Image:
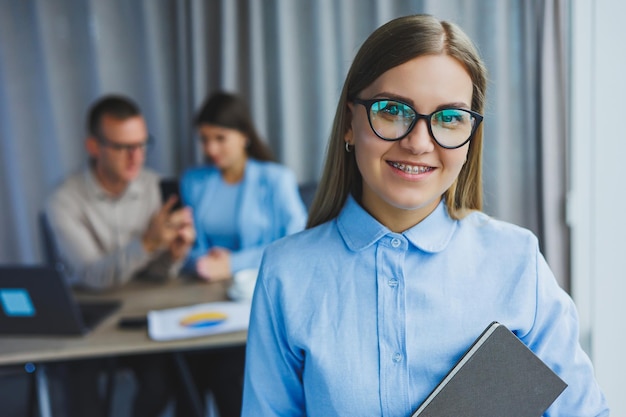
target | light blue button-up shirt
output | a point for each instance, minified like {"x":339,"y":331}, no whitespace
{"x":351,"y":319}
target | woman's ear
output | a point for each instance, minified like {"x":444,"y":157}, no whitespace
{"x":348,"y":137}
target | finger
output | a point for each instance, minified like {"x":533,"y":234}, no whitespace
{"x":169,"y":203}
{"x":181,"y":218}
{"x":184,"y":211}
{"x":160,"y":218}
{"x":186,"y":231}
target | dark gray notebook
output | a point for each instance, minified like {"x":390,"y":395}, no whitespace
{"x":498,"y":376}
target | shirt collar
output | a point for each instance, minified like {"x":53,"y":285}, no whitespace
{"x":360,"y":230}
{"x":95,"y":188}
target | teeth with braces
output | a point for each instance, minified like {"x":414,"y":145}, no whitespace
{"x":409,"y":169}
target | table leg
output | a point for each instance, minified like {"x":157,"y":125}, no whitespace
{"x":110,"y":386}
{"x":190,"y":387}
{"x":43,"y":392}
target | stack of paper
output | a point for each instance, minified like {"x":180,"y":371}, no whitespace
{"x":198,"y":320}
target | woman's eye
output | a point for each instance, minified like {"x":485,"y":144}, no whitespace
{"x":450,"y":117}
{"x":392,"y":109}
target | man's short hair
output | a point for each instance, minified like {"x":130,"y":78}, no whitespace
{"x":117,"y":106}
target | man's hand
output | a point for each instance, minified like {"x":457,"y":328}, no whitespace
{"x":167,"y":226}
{"x":186,"y":236}
{"x":215,"y":265}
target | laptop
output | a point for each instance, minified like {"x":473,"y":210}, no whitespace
{"x":36,"y":300}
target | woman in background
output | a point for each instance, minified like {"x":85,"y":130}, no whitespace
{"x":241,"y":200}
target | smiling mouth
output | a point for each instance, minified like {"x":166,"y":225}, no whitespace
{"x":411,"y":169}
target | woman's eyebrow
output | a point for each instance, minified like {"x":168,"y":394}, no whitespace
{"x":455,"y":105}
{"x":392,"y":96}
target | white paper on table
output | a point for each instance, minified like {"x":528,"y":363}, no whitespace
{"x":166,"y":324}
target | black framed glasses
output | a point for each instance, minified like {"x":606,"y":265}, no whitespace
{"x":393,"y":120}
{"x":128,"y":148}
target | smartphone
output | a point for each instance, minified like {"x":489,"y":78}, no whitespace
{"x":169,"y":187}
{"x":137,"y":322}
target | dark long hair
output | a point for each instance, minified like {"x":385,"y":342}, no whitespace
{"x":231,"y":111}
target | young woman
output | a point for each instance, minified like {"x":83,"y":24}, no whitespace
{"x":241,"y":200}
{"x":399,"y":270}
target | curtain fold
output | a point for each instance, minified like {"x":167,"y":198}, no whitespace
{"x":289,"y":59}
{"x":554,"y":152}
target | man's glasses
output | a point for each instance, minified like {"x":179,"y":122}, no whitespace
{"x":393,"y":120}
{"x":128,"y":148}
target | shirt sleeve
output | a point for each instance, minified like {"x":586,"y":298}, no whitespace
{"x":554,"y":337}
{"x":86,"y":263}
{"x":81,"y":256}
{"x":200,"y":248}
{"x":273,"y":375}
{"x":249,"y":258}
{"x":288,"y":217}
{"x":201,"y":244}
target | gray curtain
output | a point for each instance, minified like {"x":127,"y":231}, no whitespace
{"x":289,"y":59}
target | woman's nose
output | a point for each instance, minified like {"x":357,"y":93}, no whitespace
{"x":418,"y":140}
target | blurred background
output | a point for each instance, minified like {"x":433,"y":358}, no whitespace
{"x":554,"y":71}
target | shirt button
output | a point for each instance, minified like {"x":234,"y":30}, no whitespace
{"x":395,"y":242}
{"x":397,"y":357}
{"x":393,"y":282}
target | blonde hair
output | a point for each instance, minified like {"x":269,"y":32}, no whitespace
{"x":393,"y":44}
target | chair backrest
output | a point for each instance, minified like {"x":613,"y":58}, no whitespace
{"x":50,"y":251}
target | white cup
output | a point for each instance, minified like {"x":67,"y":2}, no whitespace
{"x":243,"y":284}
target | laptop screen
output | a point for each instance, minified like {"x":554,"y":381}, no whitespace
{"x":37,"y":300}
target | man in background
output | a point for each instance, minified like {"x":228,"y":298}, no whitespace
{"x":107,"y":219}
{"x":110,"y":227}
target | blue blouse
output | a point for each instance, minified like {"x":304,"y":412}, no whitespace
{"x":351,"y":319}
{"x":270,"y":208}
{"x":218,"y":219}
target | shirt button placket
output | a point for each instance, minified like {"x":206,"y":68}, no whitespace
{"x":393,"y":369}
{"x":393,"y":283}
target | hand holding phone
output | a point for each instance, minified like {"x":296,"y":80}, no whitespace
{"x":169,"y":187}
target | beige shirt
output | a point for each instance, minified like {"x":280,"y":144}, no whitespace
{"x":98,"y":237}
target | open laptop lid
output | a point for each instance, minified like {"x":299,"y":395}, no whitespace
{"x":37,"y":300}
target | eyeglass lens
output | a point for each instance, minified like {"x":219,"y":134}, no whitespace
{"x":131,"y":148}
{"x":142,"y":146}
{"x":393,"y":120}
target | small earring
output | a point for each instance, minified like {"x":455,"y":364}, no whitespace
{"x":348,"y":149}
